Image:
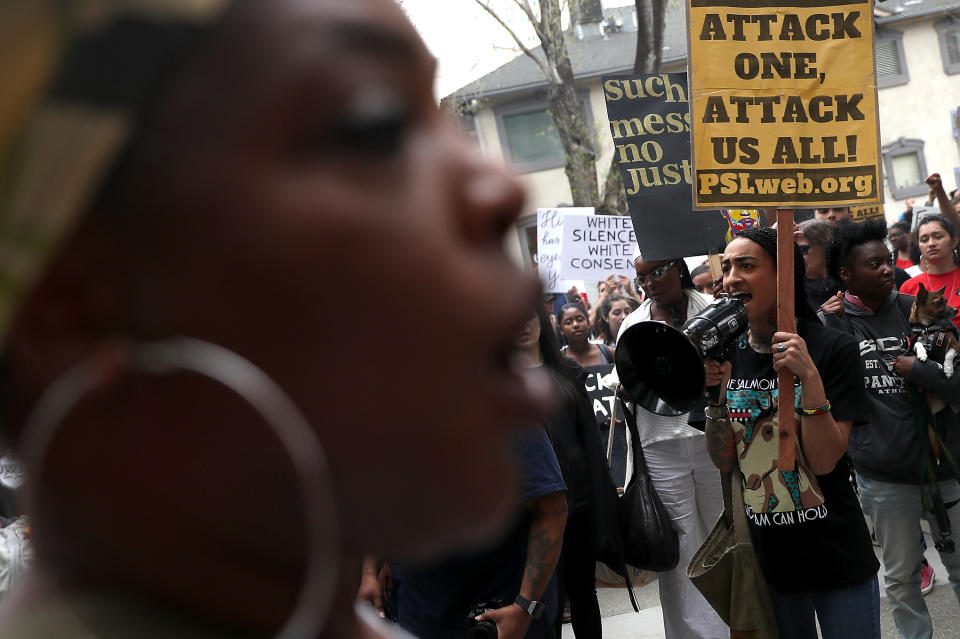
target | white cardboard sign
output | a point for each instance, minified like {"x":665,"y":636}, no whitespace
{"x":595,"y":246}
{"x":550,"y":246}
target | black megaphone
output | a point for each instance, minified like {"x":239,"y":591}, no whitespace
{"x":661,"y":368}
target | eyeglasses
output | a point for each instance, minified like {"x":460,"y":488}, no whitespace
{"x":655,"y":274}
{"x":804,"y":248}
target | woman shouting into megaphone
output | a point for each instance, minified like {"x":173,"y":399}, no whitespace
{"x":805,"y":522}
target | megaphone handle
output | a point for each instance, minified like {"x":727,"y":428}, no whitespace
{"x":713,"y":394}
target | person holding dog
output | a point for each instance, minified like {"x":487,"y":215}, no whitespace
{"x":889,"y":456}
{"x":937,"y":239}
{"x":806,"y":523}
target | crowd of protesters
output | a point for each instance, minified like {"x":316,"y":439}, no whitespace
{"x":859,"y":449}
{"x":219,"y":466}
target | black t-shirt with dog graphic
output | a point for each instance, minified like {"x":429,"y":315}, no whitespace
{"x":808,"y":529}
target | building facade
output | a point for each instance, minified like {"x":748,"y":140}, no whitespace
{"x":918,"y":71}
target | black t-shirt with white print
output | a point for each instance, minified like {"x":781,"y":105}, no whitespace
{"x":808,"y":529}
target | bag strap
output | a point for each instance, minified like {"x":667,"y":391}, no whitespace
{"x":734,"y":512}
{"x":639,"y":460}
{"x":613,"y":421}
{"x":607,"y":353}
{"x":741,"y":527}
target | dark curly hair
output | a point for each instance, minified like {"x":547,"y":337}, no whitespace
{"x":847,"y":239}
{"x":767,"y":239}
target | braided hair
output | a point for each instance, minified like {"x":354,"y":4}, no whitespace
{"x":767,"y":239}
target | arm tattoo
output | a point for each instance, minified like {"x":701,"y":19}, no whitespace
{"x":544,"y":542}
{"x":721,"y":444}
{"x":541,"y":558}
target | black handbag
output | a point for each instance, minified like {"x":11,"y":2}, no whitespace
{"x":649,"y":540}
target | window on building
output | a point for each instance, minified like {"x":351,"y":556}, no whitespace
{"x":906,"y":168}
{"x":529,"y":137}
{"x":527,"y":234}
{"x":948,"y":33}
{"x":532,"y":137}
{"x":891,"y":63}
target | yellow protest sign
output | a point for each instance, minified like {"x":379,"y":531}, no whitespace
{"x":864,"y":213}
{"x":783,"y":103}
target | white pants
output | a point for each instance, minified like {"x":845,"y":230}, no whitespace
{"x":689,"y":486}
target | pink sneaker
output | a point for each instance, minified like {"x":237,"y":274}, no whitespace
{"x":926,"y":578}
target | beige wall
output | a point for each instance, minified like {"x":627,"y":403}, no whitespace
{"x":921,"y":108}
{"x":550,"y":188}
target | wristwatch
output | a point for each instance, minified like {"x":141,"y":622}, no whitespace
{"x":534,"y":608}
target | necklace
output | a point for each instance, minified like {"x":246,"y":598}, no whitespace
{"x":953,"y":286}
{"x":676,"y":313}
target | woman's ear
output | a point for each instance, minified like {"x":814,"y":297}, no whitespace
{"x":844,"y":273}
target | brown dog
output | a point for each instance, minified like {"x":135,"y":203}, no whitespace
{"x":929,"y":339}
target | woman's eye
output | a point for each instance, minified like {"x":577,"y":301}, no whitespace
{"x":374,"y":132}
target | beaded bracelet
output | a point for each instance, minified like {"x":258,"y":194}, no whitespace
{"x":813,"y":412}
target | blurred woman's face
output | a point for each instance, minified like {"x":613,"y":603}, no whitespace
{"x":574,"y":325}
{"x":898,"y":239}
{"x":322,"y":151}
{"x":618,"y":312}
{"x":530,"y":333}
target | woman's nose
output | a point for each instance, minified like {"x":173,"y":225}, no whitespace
{"x":490,"y":199}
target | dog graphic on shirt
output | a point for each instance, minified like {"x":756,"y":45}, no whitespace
{"x":766,"y":489}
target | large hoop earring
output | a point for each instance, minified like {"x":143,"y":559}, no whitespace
{"x":254,"y":386}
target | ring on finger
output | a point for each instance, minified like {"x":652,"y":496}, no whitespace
{"x":781,"y":348}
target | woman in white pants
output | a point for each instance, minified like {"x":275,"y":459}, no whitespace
{"x":680,"y":468}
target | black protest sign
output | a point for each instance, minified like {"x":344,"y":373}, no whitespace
{"x":600,"y":400}
{"x":600,"y":397}
{"x":650,"y":123}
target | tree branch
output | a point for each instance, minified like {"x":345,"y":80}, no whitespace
{"x":650,"y":22}
{"x":531,"y":16}
{"x":526,"y":50}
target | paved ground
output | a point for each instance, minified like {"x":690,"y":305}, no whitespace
{"x":621,"y":622}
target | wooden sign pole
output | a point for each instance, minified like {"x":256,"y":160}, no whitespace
{"x":786,"y":322}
